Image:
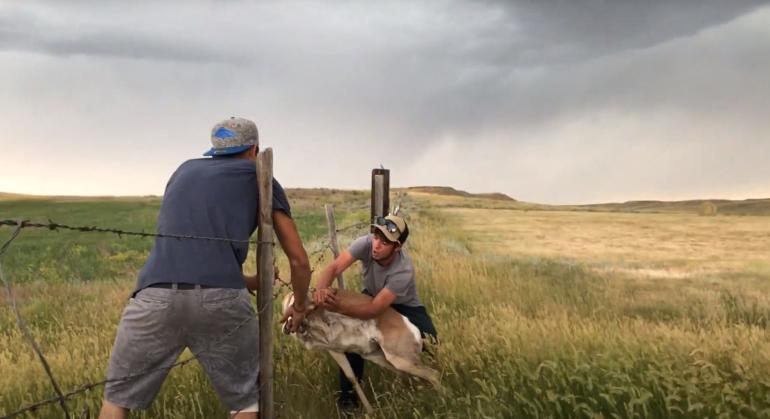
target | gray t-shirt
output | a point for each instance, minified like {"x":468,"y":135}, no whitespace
{"x":210,"y":197}
{"x":398,"y":277}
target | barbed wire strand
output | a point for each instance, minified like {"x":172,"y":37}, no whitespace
{"x":23,"y":325}
{"x":8,"y":242}
{"x":321,"y":253}
{"x":62,"y":397}
{"x":356,"y":225}
{"x":86,"y":387}
{"x":53,"y":226}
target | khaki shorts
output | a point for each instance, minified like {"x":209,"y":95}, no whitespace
{"x":159,"y":323}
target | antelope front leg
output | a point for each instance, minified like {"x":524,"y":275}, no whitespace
{"x":342,"y":361}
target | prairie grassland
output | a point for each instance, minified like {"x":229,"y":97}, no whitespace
{"x":661,"y":263}
{"x":540,"y":314}
{"x":676,"y":245}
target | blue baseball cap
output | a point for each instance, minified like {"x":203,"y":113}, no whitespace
{"x":233,"y":136}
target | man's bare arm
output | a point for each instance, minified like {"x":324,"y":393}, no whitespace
{"x":288,"y":236}
{"x":325,"y":279}
{"x":252,"y":282}
{"x":338,"y":266}
{"x":370,"y":310}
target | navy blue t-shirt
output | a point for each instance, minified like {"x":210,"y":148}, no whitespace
{"x":209,"y":197}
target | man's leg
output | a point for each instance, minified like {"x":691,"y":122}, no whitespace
{"x":344,"y":364}
{"x":419,"y":317}
{"x":251,"y":412}
{"x":245,"y":415}
{"x":112,"y":411}
{"x":346,"y":387}
{"x":224,"y":336}
{"x":147,"y":344}
{"x":347,"y":396}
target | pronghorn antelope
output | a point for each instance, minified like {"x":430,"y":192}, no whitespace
{"x":389,"y":339}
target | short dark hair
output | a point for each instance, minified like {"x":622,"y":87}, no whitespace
{"x":404,"y":235}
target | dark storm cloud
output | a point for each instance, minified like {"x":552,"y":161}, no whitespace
{"x":567,"y":30}
{"x":538,"y":94}
{"x":534,"y":61}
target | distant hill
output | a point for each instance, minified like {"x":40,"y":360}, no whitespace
{"x":495,"y":195}
{"x":696,"y":206}
{"x":455,"y":198}
{"x":5,"y":196}
{"x":445,"y":196}
{"x":446,"y":190}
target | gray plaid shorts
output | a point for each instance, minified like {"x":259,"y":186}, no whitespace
{"x":159,"y":323}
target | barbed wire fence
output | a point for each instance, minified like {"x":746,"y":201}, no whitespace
{"x":62,"y":397}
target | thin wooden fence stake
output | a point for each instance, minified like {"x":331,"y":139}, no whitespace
{"x":333,"y":240}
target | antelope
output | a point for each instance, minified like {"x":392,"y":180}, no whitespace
{"x":389,"y":340}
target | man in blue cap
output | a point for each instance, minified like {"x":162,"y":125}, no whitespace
{"x":193,"y":293}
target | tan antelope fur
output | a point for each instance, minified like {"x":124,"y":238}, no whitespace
{"x":389,"y":340}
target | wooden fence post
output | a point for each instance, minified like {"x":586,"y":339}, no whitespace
{"x":265,"y":273}
{"x":333,"y":240}
{"x":380,"y":194}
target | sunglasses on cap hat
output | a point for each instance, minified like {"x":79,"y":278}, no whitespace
{"x":389,"y":225}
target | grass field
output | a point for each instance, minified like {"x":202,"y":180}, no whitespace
{"x":540,"y":313}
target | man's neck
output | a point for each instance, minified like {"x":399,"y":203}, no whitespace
{"x":385,"y":263}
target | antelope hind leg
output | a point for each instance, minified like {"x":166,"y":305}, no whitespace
{"x":342,"y":361}
{"x":428,"y":374}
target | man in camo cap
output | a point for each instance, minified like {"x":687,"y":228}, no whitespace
{"x":193,"y":293}
{"x":388,"y":277}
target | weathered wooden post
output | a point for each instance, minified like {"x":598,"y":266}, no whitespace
{"x":265,"y":273}
{"x":333,"y":240}
{"x":380,"y":193}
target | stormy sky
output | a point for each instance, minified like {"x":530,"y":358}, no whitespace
{"x":578,"y":101}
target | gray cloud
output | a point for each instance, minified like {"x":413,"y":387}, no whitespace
{"x":492,"y":80}
{"x":539,"y":59}
{"x":25,"y":31}
{"x":567,"y":30}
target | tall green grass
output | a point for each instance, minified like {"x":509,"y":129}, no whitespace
{"x":520,"y":337}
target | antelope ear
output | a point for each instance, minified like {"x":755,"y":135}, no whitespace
{"x":288,"y":299}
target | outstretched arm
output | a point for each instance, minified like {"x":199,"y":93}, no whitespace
{"x":338,"y":266}
{"x":291,"y":243}
{"x":370,"y":310}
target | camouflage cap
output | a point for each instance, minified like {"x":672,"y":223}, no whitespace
{"x":232,"y":136}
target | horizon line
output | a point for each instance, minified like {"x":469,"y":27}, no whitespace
{"x":22,"y":195}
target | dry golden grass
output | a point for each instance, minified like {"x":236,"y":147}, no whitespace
{"x":645,"y":245}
